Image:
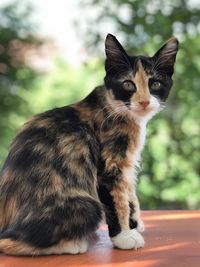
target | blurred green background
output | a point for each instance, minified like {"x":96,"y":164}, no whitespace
{"x":170,"y":173}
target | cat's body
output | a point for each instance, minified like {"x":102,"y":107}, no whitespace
{"x":69,"y":164}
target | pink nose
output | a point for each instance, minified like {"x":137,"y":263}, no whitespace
{"x":144,"y":104}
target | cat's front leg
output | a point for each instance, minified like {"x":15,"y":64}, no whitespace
{"x":116,"y":202}
{"x":135,"y":214}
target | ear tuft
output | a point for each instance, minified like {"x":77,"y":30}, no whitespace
{"x":113,"y":48}
{"x":170,"y":47}
{"x":116,"y":56}
{"x":166,"y":55}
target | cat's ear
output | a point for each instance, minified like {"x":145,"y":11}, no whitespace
{"x":115,"y":53}
{"x":165,"y":57}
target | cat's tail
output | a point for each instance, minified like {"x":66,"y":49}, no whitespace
{"x":76,"y":221}
{"x":13,"y":247}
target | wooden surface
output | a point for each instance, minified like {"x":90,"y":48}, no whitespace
{"x":172,"y":239}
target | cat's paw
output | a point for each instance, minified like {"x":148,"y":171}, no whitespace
{"x":129,"y":239}
{"x":76,"y":247}
{"x":140,"y":226}
{"x":83,"y":246}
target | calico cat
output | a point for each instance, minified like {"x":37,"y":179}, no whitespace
{"x":69,"y":166}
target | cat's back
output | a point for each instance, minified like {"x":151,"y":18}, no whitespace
{"x":53,"y":158}
{"x":53,"y":143}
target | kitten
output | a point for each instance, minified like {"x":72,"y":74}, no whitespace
{"x":68,"y":165}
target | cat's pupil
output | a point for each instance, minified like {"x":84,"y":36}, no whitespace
{"x":129,"y":85}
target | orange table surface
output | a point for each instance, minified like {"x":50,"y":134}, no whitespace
{"x":172,"y":239}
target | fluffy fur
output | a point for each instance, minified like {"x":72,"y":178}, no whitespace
{"x":69,"y":165}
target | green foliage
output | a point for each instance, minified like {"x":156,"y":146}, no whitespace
{"x":171,"y":159}
{"x":63,"y":86}
{"x":15,"y":34}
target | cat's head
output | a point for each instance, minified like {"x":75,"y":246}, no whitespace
{"x":139,"y":85}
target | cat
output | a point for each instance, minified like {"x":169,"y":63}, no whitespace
{"x":69,"y":167}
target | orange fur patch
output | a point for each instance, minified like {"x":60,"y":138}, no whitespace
{"x":13,"y":247}
{"x":120,"y":197}
{"x":8,"y":207}
{"x":141,"y":80}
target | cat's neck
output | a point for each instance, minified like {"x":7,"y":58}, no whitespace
{"x":99,"y":108}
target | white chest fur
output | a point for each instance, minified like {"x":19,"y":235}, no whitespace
{"x":134,"y":155}
{"x":140,"y":143}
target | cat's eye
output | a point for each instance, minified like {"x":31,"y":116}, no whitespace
{"x":129,"y":86}
{"x":155,"y":85}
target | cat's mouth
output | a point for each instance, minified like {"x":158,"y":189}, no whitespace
{"x":145,"y":111}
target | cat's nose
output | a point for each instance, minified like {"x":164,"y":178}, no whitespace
{"x":144,"y":104}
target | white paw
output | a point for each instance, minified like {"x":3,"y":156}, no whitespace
{"x":140,"y":226}
{"x":76,"y":247}
{"x":83,"y":246}
{"x":129,"y":239}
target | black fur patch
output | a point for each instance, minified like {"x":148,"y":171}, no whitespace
{"x":93,"y":99}
{"x":117,"y":89}
{"x":110,"y":211}
{"x":132,"y":223}
{"x":166,"y":83}
{"x":117,"y":145}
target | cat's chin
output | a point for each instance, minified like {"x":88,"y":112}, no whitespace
{"x":146,"y":114}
